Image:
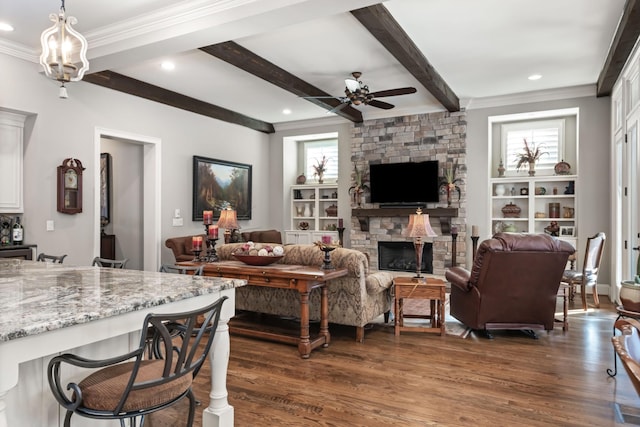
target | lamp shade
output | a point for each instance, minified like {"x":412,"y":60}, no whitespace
{"x":228,"y":219}
{"x":64,"y":50}
{"x":419,"y":225}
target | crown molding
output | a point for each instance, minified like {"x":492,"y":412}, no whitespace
{"x":19,"y":51}
{"x":529,"y":97}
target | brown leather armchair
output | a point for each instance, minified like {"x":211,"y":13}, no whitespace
{"x":182,"y":247}
{"x":513,"y":283}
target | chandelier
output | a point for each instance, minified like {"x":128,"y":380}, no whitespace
{"x":356,"y":91}
{"x":64,"y":50}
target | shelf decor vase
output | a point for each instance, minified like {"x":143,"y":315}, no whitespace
{"x":307,"y":210}
{"x":500,"y":190}
{"x":511,"y":210}
{"x":532,"y":168}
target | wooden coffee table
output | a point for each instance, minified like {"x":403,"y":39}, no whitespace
{"x":429,"y":288}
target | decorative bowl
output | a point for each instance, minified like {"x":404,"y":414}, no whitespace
{"x":257,"y":259}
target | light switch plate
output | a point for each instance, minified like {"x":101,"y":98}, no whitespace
{"x":50,"y":225}
{"x":177,"y":222}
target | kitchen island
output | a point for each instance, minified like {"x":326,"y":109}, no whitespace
{"x":48,"y":309}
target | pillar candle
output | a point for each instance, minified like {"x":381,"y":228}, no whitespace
{"x":207,"y":217}
{"x":196,"y":243}
{"x":474,"y":230}
{"x":326,"y":240}
{"x":213,"y":231}
{"x":340,"y":223}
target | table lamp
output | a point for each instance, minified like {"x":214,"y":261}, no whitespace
{"x":229,"y":221}
{"x":418,"y":228}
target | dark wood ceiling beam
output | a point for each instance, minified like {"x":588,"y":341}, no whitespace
{"x":623,"y":41}
{"x":121,"y":83}
{"x":388,"y":32}
{"x":248,"y":61}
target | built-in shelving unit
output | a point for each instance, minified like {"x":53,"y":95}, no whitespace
{"x":542,"y":200}
{"x":317,"y":206}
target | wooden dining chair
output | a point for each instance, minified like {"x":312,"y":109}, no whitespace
{"x":130,"y":386}
{"x":56,"y":259}
{"x":111,"y":263}
{"x":588,"y":275}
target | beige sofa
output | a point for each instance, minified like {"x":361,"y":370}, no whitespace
{"x":355,"y":299}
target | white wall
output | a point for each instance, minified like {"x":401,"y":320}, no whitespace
{"x":126,"y":200}
{"x":594,"y":184}
{"x":59,"y":128}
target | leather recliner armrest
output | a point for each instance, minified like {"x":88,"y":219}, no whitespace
{"x":459,"y":277}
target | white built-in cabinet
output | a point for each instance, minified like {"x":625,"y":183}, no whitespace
{"x":11,"y":162}
{"x":317,"y":207}
{"x":541,"y":200}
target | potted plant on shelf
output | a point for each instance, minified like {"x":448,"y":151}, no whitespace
{"x":320,"y":168}
{"x":448,"y":182}
{"x":359,"y":187}
{"x":530,"y":156}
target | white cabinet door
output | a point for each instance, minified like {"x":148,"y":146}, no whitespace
{"x":297,"y":237}
{"x":11,"y":132}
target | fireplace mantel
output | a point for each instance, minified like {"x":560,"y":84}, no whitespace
{"x":444,"y":214}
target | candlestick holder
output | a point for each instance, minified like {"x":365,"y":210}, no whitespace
{"x":454,"y":248}
{"x":340,"y":236}
{"x":474,"y":239}
{"x":196,"y":252}
{"x":212,"y":256}
{"x":326,"y":262}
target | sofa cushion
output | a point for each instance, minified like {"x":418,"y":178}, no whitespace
{"x":262,"y":236}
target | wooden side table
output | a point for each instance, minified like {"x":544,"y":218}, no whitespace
{"x":423,"y":288}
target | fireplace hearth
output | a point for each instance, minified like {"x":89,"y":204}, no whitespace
{"x":401,"y":256}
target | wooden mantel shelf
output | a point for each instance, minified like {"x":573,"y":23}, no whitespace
{"x":444,"y":214}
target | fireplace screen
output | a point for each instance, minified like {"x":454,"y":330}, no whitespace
{"x":401,"y":256}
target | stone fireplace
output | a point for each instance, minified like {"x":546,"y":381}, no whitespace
{"x":436,"y":136}
{"x":401,"y":256}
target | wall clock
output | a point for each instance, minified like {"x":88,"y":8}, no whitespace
{"x":70,"y":186}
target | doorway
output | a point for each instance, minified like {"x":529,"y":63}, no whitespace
{"x":150,"y":175}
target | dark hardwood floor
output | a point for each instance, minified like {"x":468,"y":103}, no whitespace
{"x":419,"y":379}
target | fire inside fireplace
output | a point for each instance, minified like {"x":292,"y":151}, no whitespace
{"x":401,"y":256}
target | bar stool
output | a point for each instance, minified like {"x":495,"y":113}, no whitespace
{"x":111,"y":263}
{"x":55,"y":259}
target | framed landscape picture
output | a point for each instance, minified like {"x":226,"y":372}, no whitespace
{"x":217,"y":183}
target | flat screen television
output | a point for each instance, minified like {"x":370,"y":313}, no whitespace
{"x":404,"y":183}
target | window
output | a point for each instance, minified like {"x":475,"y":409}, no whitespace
{"x":548,"y":135}
{"x":313,"y":153}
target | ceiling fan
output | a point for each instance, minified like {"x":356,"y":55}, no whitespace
{"x":357,"y":93}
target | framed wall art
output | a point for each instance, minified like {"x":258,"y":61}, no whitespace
{"x":567,"y":231}
{"x":105,"y":188}
{"x":217,"y":183}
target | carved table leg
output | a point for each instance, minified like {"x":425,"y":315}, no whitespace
{"x":324,"y":315}
{"x":219,"y":413}
{"x":304,"y":346}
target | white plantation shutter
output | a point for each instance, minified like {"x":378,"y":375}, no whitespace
{"x":546,"y":134}
{"x":313,"y":152}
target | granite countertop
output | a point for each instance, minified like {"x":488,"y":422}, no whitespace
{"x":36,"y":297}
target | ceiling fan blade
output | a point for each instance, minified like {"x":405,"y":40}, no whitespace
{"x":394,"y":92}
{"x":380,"y":104}
{"x":339,"y":107}
{"x":321,"y":97}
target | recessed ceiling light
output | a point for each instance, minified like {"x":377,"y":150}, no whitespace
{"x":5,"y":27}
{"x":535,"y":77}
{"x":286,"y":111}
{"x":168,"y":65}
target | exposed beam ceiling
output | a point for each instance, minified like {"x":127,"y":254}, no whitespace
{"x":248,"y":61}
{"x":148,"y":91}
{"x":388,"y":32}
{"x":623,"y":42}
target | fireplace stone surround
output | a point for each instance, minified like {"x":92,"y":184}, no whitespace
{"x":435,"y":136}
